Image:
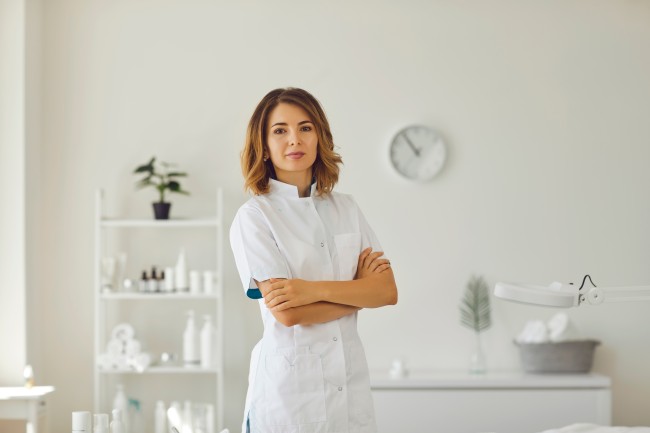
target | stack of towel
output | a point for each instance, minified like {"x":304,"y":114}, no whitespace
{"x":558,"y":328}
{"x":123,"y":351}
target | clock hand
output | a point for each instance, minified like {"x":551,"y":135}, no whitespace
{"x":410,"y":143}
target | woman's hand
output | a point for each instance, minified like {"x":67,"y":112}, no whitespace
{"x":283,"y":294}
{"x":370,"y":263}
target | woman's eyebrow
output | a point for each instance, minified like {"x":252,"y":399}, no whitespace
{"x":286,"y":124}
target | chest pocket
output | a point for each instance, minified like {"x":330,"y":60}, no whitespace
{"x":348,"y":247}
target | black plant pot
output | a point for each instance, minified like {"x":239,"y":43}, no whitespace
{"x":161,"y":210}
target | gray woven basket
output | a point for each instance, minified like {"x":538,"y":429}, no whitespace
{"x":563,"y":357}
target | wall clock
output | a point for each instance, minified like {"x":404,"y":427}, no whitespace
{"x":418,"y":152}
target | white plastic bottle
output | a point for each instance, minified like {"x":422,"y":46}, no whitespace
{"x":188,"y":421}
{"x":160,"y":421}
{"x":209,"y":418}
{"x":134,"y":416}
{"x":117,"y":426}
{"x":180,"y":273}
{"x":190,"y":342}
{"x":81,"y":422}
{"x":101,"y":423}
{"x":207,"y":339}
{"x":175,"y":417}
{"x":121,"y":403}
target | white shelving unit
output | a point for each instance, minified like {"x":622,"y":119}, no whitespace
{"x":174,"y":382}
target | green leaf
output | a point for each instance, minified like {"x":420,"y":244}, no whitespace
{"x":146,"y":168}
{"x":174,"y":186}
{"x":176,"y":174}
{"x":142,"y":183}
{"x":475,"y":305}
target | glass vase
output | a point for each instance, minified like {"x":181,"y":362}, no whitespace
{"x":477,"y":363}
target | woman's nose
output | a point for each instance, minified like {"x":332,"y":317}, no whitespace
{"x":294,"y":138}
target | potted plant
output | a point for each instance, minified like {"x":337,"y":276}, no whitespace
{"x":163,"y":177}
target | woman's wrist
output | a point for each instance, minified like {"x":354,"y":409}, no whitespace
{"x":321,"y":289}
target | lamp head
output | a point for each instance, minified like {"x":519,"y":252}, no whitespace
{"x":556,"y":295}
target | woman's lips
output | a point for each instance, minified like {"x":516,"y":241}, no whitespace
{"x":295,"y":155}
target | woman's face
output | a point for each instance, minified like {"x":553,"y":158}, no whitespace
{"x":292,"y":143}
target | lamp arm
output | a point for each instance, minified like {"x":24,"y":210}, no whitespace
{"x":598,"y":295}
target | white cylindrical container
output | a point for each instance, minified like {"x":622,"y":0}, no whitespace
{"x":170,"y":282}
{"x":207,"y":339}
{"x":180,"y":273}
{"x":101,"y":423}
{"x":208,"y":282}
{"x":81,"y":422}
{"x":195,"y":282}
{"x":191,"y":357}
{"x":117,"y":425}
{"x":160,"y":421}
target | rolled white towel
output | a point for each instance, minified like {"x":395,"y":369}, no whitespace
{"x":560,"y":328}
{"x":122,"y":362}
{"x":115,"y":347}
{"x":141,"y":361}
{"x":132,"y":347}
{"x":534,"y":332}
{"x":123,"y":331}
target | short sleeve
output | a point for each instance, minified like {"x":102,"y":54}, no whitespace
{"x":368,"y":237}
{"x":257,"y":255}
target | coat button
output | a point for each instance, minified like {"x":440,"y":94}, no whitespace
{"x":334,"y":338}
{"x":340,"y":388}
{"x":322,"y":244}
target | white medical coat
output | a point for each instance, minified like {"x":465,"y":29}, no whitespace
{"x":304,"y":379}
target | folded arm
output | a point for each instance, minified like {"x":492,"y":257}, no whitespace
{"x":309,"y":314}
{"x":309,"y":304}
{"x":374,"y":286}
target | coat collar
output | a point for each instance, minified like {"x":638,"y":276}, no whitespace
{"x":281,"y":189}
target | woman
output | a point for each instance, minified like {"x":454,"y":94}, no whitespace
{"x":309,"y":256}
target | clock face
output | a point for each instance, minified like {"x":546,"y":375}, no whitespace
{"x":418,"y":152}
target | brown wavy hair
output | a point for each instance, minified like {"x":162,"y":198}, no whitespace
{"x":257,"y":172}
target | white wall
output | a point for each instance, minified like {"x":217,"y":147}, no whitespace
{"x":12,"y":192}
{"x":544,"y":106}
{"x":20,"y":123}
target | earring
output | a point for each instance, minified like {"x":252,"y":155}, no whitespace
{"x":265,"y":158}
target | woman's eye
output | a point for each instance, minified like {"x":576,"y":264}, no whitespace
{"x":278,"y":131}
{"x":306,"y":128}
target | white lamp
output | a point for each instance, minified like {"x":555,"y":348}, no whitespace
{"x":567,"y":295}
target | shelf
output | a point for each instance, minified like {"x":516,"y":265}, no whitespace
{"x":171,"y":223}
{"x":204,"y":231}
{"x":155,"y":296}
{"x":164,"y":370}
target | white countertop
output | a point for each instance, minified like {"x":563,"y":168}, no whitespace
{"x":22,"y":393}
{"x":495,"y":380}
